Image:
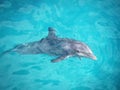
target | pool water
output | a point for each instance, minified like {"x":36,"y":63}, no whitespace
{"x":94,"y":22}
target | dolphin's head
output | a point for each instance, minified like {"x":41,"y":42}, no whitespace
{"x":82,"y":50}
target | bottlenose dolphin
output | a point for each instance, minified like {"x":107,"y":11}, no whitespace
{"x":52,"y":45}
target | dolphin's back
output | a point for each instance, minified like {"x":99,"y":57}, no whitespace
{"x":57,"y":46}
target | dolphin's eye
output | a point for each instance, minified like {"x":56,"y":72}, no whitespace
{"x":77,"y":51}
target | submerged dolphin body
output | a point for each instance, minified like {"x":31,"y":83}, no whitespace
{"x":52,"y":45}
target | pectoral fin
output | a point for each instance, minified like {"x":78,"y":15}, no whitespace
{"x":79,"y":57}
{"x":59,"y":59}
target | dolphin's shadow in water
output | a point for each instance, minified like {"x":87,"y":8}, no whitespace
{"x":53,"y":45}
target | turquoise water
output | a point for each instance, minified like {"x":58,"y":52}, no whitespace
{"x":94,"y":22}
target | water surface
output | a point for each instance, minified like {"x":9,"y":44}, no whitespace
{"x":94,"y":22}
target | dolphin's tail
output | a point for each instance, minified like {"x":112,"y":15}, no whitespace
{"x":6,"y":52}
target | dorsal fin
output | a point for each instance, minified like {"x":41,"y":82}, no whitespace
{"x":51,"y":33}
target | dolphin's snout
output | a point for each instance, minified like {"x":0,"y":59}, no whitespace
{"x":92,"y":56}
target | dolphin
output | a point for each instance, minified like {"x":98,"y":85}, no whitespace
{"x":53,"y":45}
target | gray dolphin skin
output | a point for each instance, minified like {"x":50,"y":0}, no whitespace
{"x":52,"y":45}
